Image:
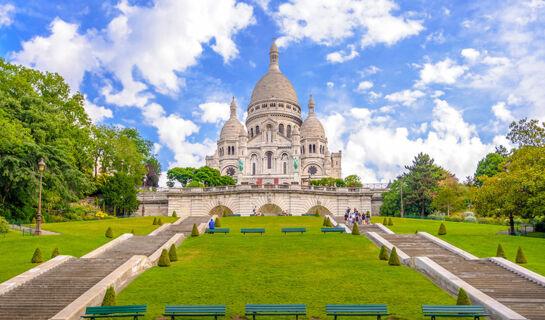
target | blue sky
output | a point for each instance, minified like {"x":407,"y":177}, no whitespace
{"x":390,"y":78}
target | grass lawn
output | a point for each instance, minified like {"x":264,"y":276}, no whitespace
{"x":314,"y":269}
{"x":76,"y":239}
{"x":478,"y":239}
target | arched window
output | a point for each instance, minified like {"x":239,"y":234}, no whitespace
{"x":285,"y":168}
{"x":233,"y":150}
{"x":253,"y":169}
{"x":231,"y":171}
{"x":256,"y":130}
{"x":281,"y":128}
{"x":314,"y":148}
{"x":303,"y":150}
{"x":309,"y":148}
{"x":288,"y":131}
{"x":269,"y":160}
{"x":252,"y":132}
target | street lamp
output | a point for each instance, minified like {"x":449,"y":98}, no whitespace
{"x":41,"y":168}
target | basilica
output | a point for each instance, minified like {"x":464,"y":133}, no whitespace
{"x":276,"y":146}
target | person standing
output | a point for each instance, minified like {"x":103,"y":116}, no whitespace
{"x":346,"y":214}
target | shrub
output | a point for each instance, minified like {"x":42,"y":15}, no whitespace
{"x":174,"y":214}
{"x":390,"y":222}
{"x":394,"y":259}
{"x":329,"y":224}
{"x":521,"y":258}
{"x":470,"y":219}
{"x":33,"y":221}
{"x":317,"y":214}
{"x":37,"y":257}
{"x":469,"y":214}
{"x":172,"y":254}
{"x":385,"y":222}
{"x":355,"y":230}
{"x":442,"y":230}
{"x":109,"y":298}
{"x":154,"y":221}
{"x":225,"y":213}
{"x":4,"y":225}
{"x":463,"y":299}
{"x":132,"y":231}
{"x":500,"y":253}
{"x":218,"y":223}
{"x":195,"y":231}
{"x":160,"y":221}
{"x":109,"y":233}
{"x":325,"y":222}
{"x":164,"y":261}
{"x":383,"y":255}
{"x":55,"y":253}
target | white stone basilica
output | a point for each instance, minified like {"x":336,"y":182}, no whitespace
{"x":277,"y":146}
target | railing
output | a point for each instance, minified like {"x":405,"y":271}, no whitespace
{"x":365,"y":189}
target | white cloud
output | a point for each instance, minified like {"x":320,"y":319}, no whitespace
{"x":470,"y":54}
{"x":502,"y":113}
{"x":96,"y":113}
{"x":364,"y":86}
{"x":329,"y":22}
{"x":445,"y":72}
{"x":374,"y":95}
{"x":405,"y":97}
{"x":156,"y":148}
{"x":342,"y":56}
{"x":214,"y":112}
{"x":6,"y":14}
{"x":330,"y":84}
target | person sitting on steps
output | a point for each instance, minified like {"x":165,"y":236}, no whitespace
{"x":211,"y":224}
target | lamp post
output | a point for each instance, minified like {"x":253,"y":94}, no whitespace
{"x":41,"y":168}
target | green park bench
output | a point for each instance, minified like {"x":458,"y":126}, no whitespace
{"x":276,"y":310}
{"x":233,"y":215}
{"x":286,"y":230}
{"x":252,"y":230}
{"x":115,"y":312}
{"x":217,"y":230}
{"x":363,"y":310}
{"x":475,"y":312}
{"x":309,"y":214}
{"x":341,"y":230}
{"x":194,"y":311}
{"x":280,"y":215}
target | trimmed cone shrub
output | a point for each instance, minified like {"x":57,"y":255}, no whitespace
{"x":33,"y":221}
{"x":172,"y":254}
{"x":109,"y":233}
{"x":109,"y":298}
{"x":394,"y":259}
{"x":329,"y":224}
{"x":37,"y":257}
{"x":442,"y":230}
{"x":132,"y":231}
{"x":218,"y":223}
{"x":164,"y":261}
{"x":463,"y":299}
{"x":390,"y":223}
{"x":174,"y":214}
{"x":383,"y":255}
{"x":225,"y":213}
{"x":325,"y":222}
{"x":500,"y":253}
{"x":195,"y":231}
{"x":55,"y":253}
{"x":154,"y":221}
{"x":385,"y":222}
{"x":160,"y":221}
{"x":317,"y":213}
{"x":355,"y":230}
{"x":521,"y":258}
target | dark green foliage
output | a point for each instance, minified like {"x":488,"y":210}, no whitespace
{"x":211,"y":177}
{"x":218,"y":223}
{"x":383,"y":255}
{"x":154,"y":221}
{"x":390,"y":222}
{"x":160,"y":221}
{"x":109,"y":298}
{"x":355,"y":230}
{"x":463,"y":299}
{"x":394,"y":259}
{"x":37,"y":256}
{"x":55,"y":253}
{"x":109,"y":233}
{"x":521,"y":258}
{"x":119,"y":191}
{"x":4,"y":225}
{"x":172,"y":254}
{"x":164,"y":260}
{"x":491,"y":165}
{"x":174,"y":214}
{"x":353,"y":180}
{"x":500,"y":253}
{"x":328,"y":182}
{"x":329,"y":224}
{"x":33,"y":221}
{"x":442,"y":230}
{"x":195,"y":231}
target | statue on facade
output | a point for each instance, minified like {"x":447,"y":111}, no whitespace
{"x":240,"y":165}
{"x":295,"y":163}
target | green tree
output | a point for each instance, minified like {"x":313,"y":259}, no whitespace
{"x":527,"y":133}
{"x":120,"y":191}
{"x":450,"y":196}
{"x":422,"y":181}
{"x":489,"y":166}
{"x":353,"y":180}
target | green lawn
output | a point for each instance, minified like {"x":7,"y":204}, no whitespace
{"x":76,"y":239}
{"x":313,"y":269}
{"x":478,"y":239}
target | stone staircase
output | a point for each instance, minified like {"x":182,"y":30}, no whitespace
{"x":44,"y":296}
{"x":514,"y":291}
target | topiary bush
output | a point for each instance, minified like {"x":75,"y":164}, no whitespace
{"x":325,"y":222}
{"x":172,"y":254}
{"x":4,"y":225}
{"x":329,"y":224}
{"x":394,"y":259}
{"x":160,"y":221}
{"x":109,"y":233}
{"x":218,"y":223}
{"x":109,"y":298}
{"x":442,"y":230}
{"x":317,"y":214}
{"x":154,"y":221}
{"x":174,"y":214}
{"x":390,"y":222}
{"x":463,"y":299}
{"x":500,"y":253}
{"x":385,"y":222}
{"x":37,"y":257}
{"x":355,"y":230}
{"x":383,"y":255}
{"x":132,"y":231}
{"x":164,"y":261}
{"x":225,"y":213}
{"x":55,"y":253}
{"x":521,"y":258}
{"x":195,"y":231}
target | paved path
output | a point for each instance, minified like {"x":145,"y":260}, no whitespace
{"x":47,"y":294}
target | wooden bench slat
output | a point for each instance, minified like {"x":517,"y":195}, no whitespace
{"x":453,"y":311}
{"x":116,"y":309}
{"x":217,"y":230}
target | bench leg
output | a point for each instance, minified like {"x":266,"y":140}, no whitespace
{"x":378,"y":317}
{"x":296,"y":317}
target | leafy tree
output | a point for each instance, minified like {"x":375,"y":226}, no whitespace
{"x":4,"y":225}
{"x":120,"y":191}
{"x":353,"y":180}
{"x":182,"y":175}
{"x":422,"y":181}
{"x":527,"y":133}
{"x":450,"y":196}
{"x":502,"y":151}
{"x":153,"y":167}
{"x":489,"y":166}
{"x":204,"y":176}
{"x":328,"y":182}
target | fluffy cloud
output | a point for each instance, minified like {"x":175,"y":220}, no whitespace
{"x":470,"y":54}
{"x":96,"y":113}
{"x":6,"y":14}
{"x":445,"y":72}
{"x":364,"y":86}
{"x":502,"y":113}
{"x":328,"y":22}
{"x":405,"y":97}
{"x":214,"y":112}
{"x":342,"y":56}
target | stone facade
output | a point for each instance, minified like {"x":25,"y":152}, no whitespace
{"x":276,"y":146}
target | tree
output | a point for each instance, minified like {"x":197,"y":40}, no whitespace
{"x":527,"y":133}
{"x":489,"y":166}
{"x":422,"y":181}
{"x":204,"y":176}
{"x":120,"y":191}
{"x":153,"y":167}
{"x":450,"y":196}
{"x":353,"y":180}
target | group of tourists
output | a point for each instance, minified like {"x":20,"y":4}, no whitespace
{"x":356,"y":217}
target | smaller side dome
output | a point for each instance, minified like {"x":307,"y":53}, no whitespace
{"x":312,"y":127}
{"x":232,"y":129}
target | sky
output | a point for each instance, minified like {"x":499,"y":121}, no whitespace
{"x":390,"y":78}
